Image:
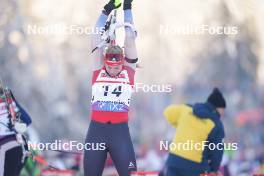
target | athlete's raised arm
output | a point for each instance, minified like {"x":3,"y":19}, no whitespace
{"x":97,"y":55}
{"x":131,"y":56}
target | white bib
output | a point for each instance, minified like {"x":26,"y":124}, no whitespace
{"x":112,"y":94}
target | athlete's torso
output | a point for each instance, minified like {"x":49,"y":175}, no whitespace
{"x":111,"y":95}
{"x":4,"y":120}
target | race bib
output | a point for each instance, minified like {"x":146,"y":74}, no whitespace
{"x":111,"y":94}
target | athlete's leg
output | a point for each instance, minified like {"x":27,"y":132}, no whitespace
{"x":94,"y":160}
{"x":10,"y":156}
{"x":13,"y":164}
{"x":121,"y":149}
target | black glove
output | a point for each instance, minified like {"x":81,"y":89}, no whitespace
{"x":111,"y":5}
{"x":127,"y":4}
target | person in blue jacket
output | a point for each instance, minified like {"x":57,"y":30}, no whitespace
{"x":198,"y":127}
{"x":13,"y":123}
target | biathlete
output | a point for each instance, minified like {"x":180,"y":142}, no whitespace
{"x":13,"y":123}
{"x":112,"y":87}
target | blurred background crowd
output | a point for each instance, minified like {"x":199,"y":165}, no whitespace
{"x":50,"y":72}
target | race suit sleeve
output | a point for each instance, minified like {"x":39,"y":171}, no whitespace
{"x":130,"y":43}
{"x":97,"y":55}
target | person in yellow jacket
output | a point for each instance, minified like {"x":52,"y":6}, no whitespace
{"x":197,"y":146}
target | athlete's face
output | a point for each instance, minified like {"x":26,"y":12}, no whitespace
{"x":113,"y":70}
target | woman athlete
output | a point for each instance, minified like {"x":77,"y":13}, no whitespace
{"x":13,"y":123}
{"x":112,"y":86}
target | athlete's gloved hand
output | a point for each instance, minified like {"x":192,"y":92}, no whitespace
{"x":127,"y":4}
{"x":111,"y":5}
{"x":20,"y":127}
